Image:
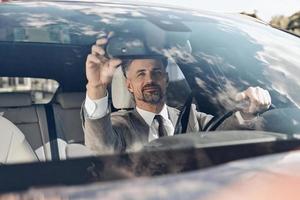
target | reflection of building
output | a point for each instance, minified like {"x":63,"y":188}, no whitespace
{"x":11,"y":84}
{"x":27,"y":84}
{"x":41,"y":89}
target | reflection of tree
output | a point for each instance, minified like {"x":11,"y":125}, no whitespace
{"x":254,"y":15}
{"x":280,"y":21}
{"x":294,"y":23}
{"x":291,"y":23}
{"x":177,"y":93}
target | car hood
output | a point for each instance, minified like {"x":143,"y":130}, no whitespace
{"x":253,"y":174}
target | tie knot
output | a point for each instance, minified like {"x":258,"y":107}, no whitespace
{"x":159,"y":118}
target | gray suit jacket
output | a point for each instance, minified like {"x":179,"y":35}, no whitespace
{"x":127,"y":131}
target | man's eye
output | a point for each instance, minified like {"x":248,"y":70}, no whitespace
{"x":157,"y":73}
{"x":141,"y":74}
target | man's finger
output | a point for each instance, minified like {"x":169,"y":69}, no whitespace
{"x":269,"y":101}
{"x":260,"y":96}
{"x":96,"y":50}
{"x":240,"y":96}
{"x":92,"y":59}
{"x":251,"y":93}
{"x":101,"y":41}
{"x":252,"y":108}
{"x":266,"y":98}
{"x":114,"y":63}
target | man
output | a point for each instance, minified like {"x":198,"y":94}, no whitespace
{"x":147,"y":80}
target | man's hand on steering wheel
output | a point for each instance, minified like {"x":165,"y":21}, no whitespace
{"x":259,"y":100}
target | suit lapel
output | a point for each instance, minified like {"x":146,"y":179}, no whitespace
{"x":140,"y":127}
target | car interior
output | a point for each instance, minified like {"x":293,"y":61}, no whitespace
{"x":54,"y":129}
{"x":32,"y":120}
{"x":212,"y":56}
{"x":63,"y":113}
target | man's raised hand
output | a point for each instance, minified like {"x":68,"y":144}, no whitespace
{"x":99,"y":69}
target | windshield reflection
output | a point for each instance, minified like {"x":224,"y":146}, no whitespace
{"x":219,"y":58}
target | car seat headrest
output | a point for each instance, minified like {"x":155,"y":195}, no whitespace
{"x":121,"y":97}
{"x":13,"y":99}
{"x":70,"y":100}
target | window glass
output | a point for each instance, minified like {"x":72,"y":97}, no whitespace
{"x":230,"y":57}
{"x":41,"y":90}
{"x":211,"y":57}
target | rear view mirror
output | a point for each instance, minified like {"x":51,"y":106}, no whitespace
{"x":155,"y":39}
{"x":124,"y":47}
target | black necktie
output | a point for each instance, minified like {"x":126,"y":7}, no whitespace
{"x":161,"y":130}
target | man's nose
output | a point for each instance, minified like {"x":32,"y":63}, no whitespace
{"x":149,"y":77}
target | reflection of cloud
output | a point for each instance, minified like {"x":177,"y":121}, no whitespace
{"x":89,"y":30}
{"x":282,"y":64}
{"x":40,"y":20}
{"x":76,"y":21}
{"x":226,"y":96}
{"x":180,"y":54}
{"x":261,"y":55}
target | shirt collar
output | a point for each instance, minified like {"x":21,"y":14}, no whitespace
{"x":149,"y":116}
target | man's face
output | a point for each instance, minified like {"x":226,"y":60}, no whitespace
{"x":147,"y":80}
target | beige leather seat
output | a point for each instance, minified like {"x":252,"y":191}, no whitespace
{"x":121,"y":97}
{"x":14,"y":148}
{"x":66,"y":111}
{"x":30,"y":119}
{"x":67,"y":116}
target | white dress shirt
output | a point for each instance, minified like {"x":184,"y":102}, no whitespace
{"x":99,"y":108}
{"x":153,"y":124}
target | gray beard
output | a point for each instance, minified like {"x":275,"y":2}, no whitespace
{"x":153,"y":98}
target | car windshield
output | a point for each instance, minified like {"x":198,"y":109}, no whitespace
{"x":211,"y":58}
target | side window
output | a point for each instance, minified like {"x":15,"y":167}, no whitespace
{"x":21,"y":103}
{"x":41,"y":90}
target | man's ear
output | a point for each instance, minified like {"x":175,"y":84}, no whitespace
{"x":128,"y":85}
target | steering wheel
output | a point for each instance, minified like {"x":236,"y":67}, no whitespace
{"x":215,"y":122}
{"x":212,"y":125}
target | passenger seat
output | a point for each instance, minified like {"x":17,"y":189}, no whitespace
{"x":30,"y":119}
{"x":66,"y":109}
{"x":13,"y":146}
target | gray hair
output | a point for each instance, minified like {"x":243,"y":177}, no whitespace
{"x":127,"y":62}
